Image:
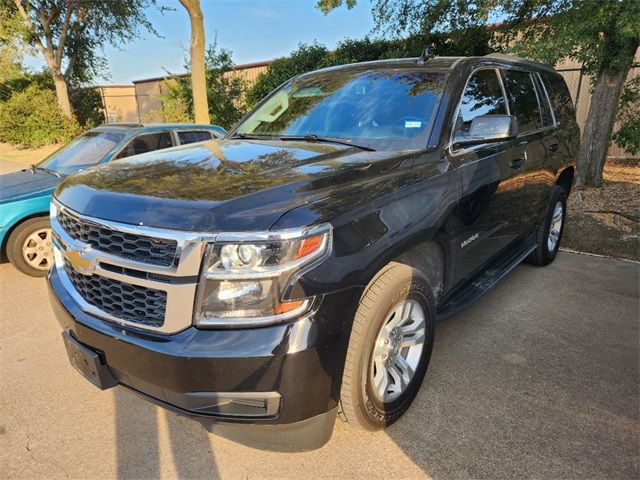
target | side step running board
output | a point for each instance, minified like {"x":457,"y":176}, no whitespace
{"x":484,"y":282}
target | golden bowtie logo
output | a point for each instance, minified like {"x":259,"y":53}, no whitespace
{"x":78,"y":262}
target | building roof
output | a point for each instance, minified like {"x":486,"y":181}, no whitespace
{"x":242,"y":66}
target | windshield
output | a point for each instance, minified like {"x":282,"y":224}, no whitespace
{"x":384,"y":109}
{"x":85,"y":151}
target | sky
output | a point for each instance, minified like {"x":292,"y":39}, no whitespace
{"x":254,"y":30}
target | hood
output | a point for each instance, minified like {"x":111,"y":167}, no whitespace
{"x":218,"y":185}
{"x":24,"y":184}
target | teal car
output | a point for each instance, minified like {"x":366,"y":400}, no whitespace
{"x":25,"y":236}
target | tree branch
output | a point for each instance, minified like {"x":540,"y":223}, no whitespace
{"x":64,"y":30}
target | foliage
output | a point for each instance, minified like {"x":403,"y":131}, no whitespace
{"x":308,"y":57}
{"x":628,"y":134}
{"x":12,"y":50}
{"x":85,"y":102}
{"x":225,"y":92}
{"x":305,"y":58}
{"x":31,"y":118}
{"x":598,"y":34}
{"x":87,"y":107}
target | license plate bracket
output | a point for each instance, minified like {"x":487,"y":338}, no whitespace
{"x":88,"y":363}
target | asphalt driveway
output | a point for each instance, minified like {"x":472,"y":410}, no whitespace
{"x":540,"y":378}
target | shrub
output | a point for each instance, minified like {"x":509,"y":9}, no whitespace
{"x":31,"y":118}
{"x":628,"y":118}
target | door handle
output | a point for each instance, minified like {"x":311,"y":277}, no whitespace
{"x":516,"y":162}
{"x":554,"y":147}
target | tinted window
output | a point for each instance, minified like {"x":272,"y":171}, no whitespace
{"x":147,"y":143}
{"x":545,"y":110}
{"x":482,"y":96}
{"x":85,"y":151}
{"x":560,"y":97}
{"x":194,"y":136}
{"x":524,"y":102}
{"x":383,"y":109}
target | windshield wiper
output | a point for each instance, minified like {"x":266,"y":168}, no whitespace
{"x":252,"y":136}
{"x":312,"y":137}
{"x":33,"y":169}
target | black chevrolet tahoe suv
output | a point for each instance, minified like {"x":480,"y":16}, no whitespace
{"x":294,"y":270}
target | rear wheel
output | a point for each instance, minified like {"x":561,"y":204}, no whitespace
{"x":389,"y":349}
{"x":549,"y":232}
{"x":29,"y":247}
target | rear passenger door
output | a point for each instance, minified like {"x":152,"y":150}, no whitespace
{"x":147,"y":142}
{"x":491,"y":187}
{"x":528,"y":101}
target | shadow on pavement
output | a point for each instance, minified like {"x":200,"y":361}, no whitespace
{"x":150,"y":439}
{"x":521,"y":386}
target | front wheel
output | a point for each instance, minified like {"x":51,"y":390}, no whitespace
{"x":389,"y":348}
{"x":29,"y":247}
{"x":549,"y":232}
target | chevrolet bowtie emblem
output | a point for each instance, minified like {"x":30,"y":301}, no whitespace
{"x":79,"y":262}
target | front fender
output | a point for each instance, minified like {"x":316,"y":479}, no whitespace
{"x":14,"y":213}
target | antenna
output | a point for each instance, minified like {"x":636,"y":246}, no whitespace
{"x":426,"y":55}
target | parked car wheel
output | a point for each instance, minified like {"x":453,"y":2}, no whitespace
{"x":549,"y":233}
{"x":389,"y":348}
{"x":29,"y":247}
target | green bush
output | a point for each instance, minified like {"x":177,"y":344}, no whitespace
{"x":31,"y":118}
{"x":308,"y":57}
{"x":628,"y":118}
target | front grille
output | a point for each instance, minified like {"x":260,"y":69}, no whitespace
{"x":132,"y":303}
{"x":155,"y":251}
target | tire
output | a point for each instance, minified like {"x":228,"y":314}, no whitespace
{"x":396,"y":287}
{"x":547,"y":249}
{"x":29,"y":247}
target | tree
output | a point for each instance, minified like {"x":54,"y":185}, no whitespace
{"x":69,"y":33}
{"x":198,"y":74}
{"x":602,"y":35}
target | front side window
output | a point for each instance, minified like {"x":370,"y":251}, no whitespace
{"x":147,"y":143}
{"x":83,"y":152}
{"x":194,"y":136}
{"x":381,"y":109}
{"x":482,"y":96}
{"x":524,"y":101}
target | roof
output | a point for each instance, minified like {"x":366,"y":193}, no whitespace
{"x":153,"y":126}
{"x":242,"y":66}
{"x":438,"y":63}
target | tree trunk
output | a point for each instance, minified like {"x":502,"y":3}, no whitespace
{"x":198,"y":76}
{"x":600,"y":122}
{"x":62,"y":93}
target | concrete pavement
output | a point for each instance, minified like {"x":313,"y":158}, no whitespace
{"x":540,"y":378}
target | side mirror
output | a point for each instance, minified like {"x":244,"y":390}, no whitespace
{"x":489,"y":128}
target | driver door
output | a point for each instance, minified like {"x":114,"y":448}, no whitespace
{"x":489,"y":178}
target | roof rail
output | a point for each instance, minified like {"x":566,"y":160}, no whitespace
{"x":123,"y":124}
{"x":426,"y":55}
{"x":515,"y":58}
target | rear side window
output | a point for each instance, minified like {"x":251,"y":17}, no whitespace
{"x":194,"y":136}
{"x":482,"y":96}
{"x":147,"y":143}
{"x":545,"y":107}
{"x":560,"y":98}
{"x":524,"y":101}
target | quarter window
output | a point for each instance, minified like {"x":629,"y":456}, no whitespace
{"x":482,"y":96}
{"x":193,"y":136}
{"x":524,"y":101}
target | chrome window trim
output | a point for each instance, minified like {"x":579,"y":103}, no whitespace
{"x":459,"y":105}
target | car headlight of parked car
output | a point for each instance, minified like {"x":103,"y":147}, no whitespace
{"x":244,"y":280}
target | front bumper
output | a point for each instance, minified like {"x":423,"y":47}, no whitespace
{"x":224,"y":375}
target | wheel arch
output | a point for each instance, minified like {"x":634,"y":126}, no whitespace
{"x":565,"y":178}
{"x":16,"y":224}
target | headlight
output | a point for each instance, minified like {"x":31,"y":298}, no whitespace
{"x":245,"y":276}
